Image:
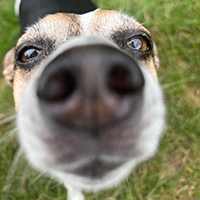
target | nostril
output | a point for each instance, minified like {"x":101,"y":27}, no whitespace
{"x":123,"y":81}
{"x":57,"y":86}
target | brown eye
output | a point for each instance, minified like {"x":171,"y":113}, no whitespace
{"x":138,"y":43}
{"x":28,"y":54}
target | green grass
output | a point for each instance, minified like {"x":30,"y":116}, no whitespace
{"x":174,"y":173}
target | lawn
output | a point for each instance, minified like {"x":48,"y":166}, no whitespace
{"x":174,"y":173}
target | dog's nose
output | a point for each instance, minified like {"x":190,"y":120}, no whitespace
{"x":90,"y":87}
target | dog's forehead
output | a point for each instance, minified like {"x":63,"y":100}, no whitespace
{"x":56,"y":27}
{"x":61,"y":27}
{"x":106,"y":21}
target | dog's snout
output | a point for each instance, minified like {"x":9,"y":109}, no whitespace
{"x":90,"y":86}
{"x":122,"y":82}
{"x":57,"y":86}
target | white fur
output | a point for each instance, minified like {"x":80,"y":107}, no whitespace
{"x":85,"y":19}
{"x":153,"y":116}
{"x":17,"y":6}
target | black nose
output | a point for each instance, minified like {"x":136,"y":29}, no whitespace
{"x":90,"y":86}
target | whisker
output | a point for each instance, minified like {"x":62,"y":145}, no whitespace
{"x":8,"y":136}
{"x":39,"y":176}
{"x":168,"y":85}
{"x":161,"y":78}
{"x":11,"y":171}
{"x":7,"y":119}
{"x":56,"y":185}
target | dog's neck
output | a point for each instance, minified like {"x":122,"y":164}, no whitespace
{"x":32,"y":10}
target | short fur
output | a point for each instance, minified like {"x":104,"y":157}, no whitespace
{"x":128,"y":142}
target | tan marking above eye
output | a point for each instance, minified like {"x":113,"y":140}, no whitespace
{"x":138,"y":43}
{"x":27,"y":54}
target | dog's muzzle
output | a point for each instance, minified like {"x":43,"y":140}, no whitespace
{"x":90,"y":88}
{"x":92,"y":113}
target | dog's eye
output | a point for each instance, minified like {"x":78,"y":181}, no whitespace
{"x":28,"y":53}
{"x":138,"y":43}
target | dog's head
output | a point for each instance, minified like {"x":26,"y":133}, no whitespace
{"x":86,"y":92}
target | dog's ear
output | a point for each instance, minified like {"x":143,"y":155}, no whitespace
{"x":156,"y":58}
{"x":8,"y":71}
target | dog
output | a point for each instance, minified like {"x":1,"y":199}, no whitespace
{"x":88,"y":102}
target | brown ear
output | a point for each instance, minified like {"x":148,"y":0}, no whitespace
{"x":8,"y":71}
{"x":156,"y":58}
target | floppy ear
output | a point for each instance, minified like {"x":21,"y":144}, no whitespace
{"x":8,"y":71}
{"x":156,"y":58}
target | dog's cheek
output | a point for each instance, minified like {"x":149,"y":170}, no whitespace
{"x":8,"y":71}
{"x":156,"y":58}
{"x":20,"y":81}
{"x":150,"y":66}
